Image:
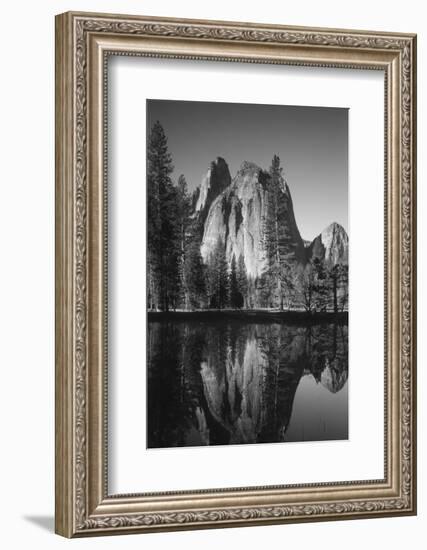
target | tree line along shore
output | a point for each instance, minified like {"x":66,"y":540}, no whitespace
{"x":179,"y":279}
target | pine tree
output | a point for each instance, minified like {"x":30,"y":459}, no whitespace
{"x":184,"y":209}
{"x":217,"y":276}
{"x":210,"y":281}
{"x":242,"y":280}
{"x":163,"y":224}
{"x":195,"y":275}
{"x":308,"y":287}
{"x":153,"y":215}
{"x":313,"y":286}
{"x":236,"y":298}
{"x":343,"y":288}
{"x":337,"y":278}
{"x":280,"y":250}
{"x":222,"y":278}
{"x":270,"y":285}
{"x":321,"y":285}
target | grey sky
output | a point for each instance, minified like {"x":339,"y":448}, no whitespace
{"x":312,"y":143}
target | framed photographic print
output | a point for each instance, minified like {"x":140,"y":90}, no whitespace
{"x":235,"y":274}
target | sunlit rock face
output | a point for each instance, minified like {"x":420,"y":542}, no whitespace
{"x":331,"y":245}
{"x":239,"y":215}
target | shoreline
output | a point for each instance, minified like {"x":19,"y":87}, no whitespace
{"x":250,"y":315}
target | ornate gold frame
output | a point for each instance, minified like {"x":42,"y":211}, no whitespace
{"x":83,"y":41}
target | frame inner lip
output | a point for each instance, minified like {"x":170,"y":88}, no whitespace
{"x":218,"y":492}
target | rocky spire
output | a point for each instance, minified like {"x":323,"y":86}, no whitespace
{"x":213,"y":183}
{"x":237,"y":216}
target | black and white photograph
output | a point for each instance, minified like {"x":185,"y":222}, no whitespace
{"x":247,"y":273}
{"x":214,"y":252}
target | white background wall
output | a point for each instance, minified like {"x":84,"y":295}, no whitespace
{"x":27,"y":273}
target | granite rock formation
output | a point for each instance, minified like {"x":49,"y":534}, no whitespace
{"x":331,"y":245}
{"x":213,"y":183}
{"x":237,"y":211}
{"x":238,"y":216}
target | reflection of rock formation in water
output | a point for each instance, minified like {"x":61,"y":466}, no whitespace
{"x":233,"y":387}
{"x":229,"y":383}
{"x":328,"y":351}
{"x":333,"y":378}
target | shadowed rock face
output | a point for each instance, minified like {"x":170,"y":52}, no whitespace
{"x":238,"y":216}
{"x":331,"y":245}
{"x":214,"y":182}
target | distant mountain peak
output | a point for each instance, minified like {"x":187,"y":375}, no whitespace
{"x":331,"y":245}
{"x":334,"y":226}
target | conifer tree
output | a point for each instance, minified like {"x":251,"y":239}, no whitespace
{"x":242,"y":280}
{"x":195,"y":275}
{"x":337,"y":277}
{"x":163,"y":224}
{"x":271,"y":283}
{"x":236,"y":297}
{"x":280,"y":247}
{"x":343,"y":290}
{"x":217,"y":276}
{"x":184,"y":209}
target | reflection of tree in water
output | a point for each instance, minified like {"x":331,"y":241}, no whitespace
{"x":228,"y":382}
{"x":173,"y":385}
{"x":328,"y":353}
{"x":283,"y":347}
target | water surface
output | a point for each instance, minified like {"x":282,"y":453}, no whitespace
{"x":224,"y":382}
